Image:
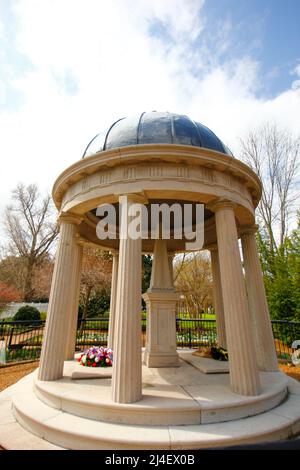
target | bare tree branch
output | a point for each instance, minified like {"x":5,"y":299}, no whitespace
{"x":273,"y":153}
{"x":29,"y":229}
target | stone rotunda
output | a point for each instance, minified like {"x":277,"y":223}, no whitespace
{"x":159,"y":397}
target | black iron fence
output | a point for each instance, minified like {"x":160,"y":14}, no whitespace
{"x":20,"y":340}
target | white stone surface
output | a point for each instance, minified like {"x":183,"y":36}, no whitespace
{"x":70,"y":431}
{"x":218,"y":298}
{"x":258,"y":306}
{"x":239,"y":335}
{"x":185,"y":397}
{"x":205,"y":364}
{"x":6,"y":416}
{"x":61,"y":301}
{"x":160,"y":298}
{"x":266,"y":427}
{"x":113,"y":299}
{"x":14,"y":437}
{"x":127,"y":370}
{"x":74,"y":300}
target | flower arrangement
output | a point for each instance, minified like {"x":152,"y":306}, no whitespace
{"x":96,"y":357}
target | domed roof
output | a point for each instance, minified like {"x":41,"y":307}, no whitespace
{"x":156,"y":128}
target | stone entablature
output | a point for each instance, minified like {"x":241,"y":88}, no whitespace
{"x":155,"y":169}
{"x":159,"y":172}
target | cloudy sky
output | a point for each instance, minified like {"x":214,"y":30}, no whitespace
{"x":69,"y":68}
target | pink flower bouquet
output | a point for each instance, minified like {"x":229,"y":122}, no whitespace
{"x":96,"y":357}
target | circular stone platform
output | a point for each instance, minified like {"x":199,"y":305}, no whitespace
{"x":171,"y":396}
{"x":182,"y":408}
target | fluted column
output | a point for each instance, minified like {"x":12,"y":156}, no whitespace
{"x":72,"y":324}
{"x":113,"y":300}
{"x":218,"y":297}
{"x":127,"y":368}
{"x":244,"y":375}
{"x":61,"y":301}
{"x":264,"y":340}
{"x":170,"y":260}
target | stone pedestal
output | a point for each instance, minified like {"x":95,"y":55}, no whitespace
{"x":127,"y":367}
{"x":263,"y":335}
{"x":113,"y":300}
{"x":244,"y":375}
{"x":218,"y":298}
{"x":61,"y":302}
{"x":161,"y":344}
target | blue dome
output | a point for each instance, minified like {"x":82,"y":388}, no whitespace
{"x":156,"y":128}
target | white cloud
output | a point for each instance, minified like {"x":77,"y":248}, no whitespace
{"x":117,"y":68}
{"x":296,"y":83}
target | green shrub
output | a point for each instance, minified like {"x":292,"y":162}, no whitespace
{"x":43,"y":315}
{"x":98,"y":304}
{"x":27,"y":313}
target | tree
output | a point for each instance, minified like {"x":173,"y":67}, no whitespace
{"x":273,"y":153}
{"x":293,"y":251}
{"x":281,"y":271}
{"x":8,"y":294}
{"x":30,"y":230}
{"x":13,"y":272}
{"x":41,"y":279}
{"x":194,"y":282}
{"x":95,"y":277}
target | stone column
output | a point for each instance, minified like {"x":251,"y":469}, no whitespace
{"x":244,"y":375}
{"x":264,"y":340}
{"x":127,"y":368}
{"x":73,"y":321}
{"x":61,"y":301}
{"x":218,"y":297}
{"x":161,"y":344}
{"x":113,"y":300}
{"x":170,"y":260}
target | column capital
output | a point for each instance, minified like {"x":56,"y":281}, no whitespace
{"x":251,"y":229}
{"x":221,"y":204}
{"x":136,"y":197}
{"x":69,"y":218}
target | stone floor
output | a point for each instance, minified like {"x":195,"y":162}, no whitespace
{"x":182,"y":408}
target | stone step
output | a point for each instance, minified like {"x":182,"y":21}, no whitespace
{"x":73,"y":432}
{"x":161,"y":404}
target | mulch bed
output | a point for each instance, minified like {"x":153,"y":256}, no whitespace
{"x":291,"y":370}
{"x":10,"y":375}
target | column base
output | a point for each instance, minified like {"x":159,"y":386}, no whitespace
{"x":151,"y":359}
